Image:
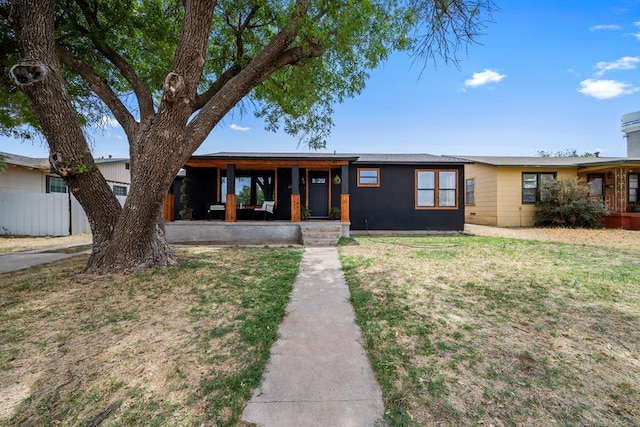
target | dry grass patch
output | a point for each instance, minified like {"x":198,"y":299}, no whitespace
{"x":13,"y":244}
{"x":179,"y":347}
{"x":491,"y":331}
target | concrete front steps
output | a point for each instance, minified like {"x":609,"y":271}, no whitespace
{"x":321,"y":233}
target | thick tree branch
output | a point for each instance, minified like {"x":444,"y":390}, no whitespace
{"x":276,"y":55}
{"x":203,"y":98}
{"x":100,"y":88}
{"x":268,"y":61}
{"x":143,"y":95}
{"x":189,"y":60}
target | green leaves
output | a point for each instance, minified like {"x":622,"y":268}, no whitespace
{"x":338,"y":41}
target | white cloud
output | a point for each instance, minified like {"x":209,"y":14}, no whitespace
{"x":624,"y":63}
{"x":106,"y":121}
{"x":240,"y":128}
{"x":485,"y":77}
{"x":604,"y":27}
{"x":605,"y":89}
{"x":636,"y":35}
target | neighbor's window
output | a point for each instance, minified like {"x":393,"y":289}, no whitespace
{"x":436,"y":189}
{"x":531,"y":184}
{"x":119,"y":190}
{"x":633,"y":187}
{"x":56,"y":185}
{"x":368,"y":177}
{"x":470,"y":191}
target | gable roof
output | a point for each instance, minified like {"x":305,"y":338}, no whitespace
{"x":557,"y":162}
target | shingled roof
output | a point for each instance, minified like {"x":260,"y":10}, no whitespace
{"x":26,"y":162}
{"x":42,"y":163}
{"x":359,"y":158}
{"x":556,"y":162}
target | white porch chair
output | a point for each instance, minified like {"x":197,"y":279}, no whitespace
{"x":267,"y":207}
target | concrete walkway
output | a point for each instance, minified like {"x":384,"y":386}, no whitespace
{"x":318,"y":373}
{"x":22,"y":260}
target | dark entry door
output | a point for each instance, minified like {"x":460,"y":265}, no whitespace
{"x":319,"y":193}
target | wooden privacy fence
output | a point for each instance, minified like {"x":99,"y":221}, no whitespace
{"x":36,"y":214}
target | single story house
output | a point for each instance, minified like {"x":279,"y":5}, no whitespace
{"x":502,"y":191}
{"x":366,"y":191}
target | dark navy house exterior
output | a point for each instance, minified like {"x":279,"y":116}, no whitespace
{"x":367,"y":191}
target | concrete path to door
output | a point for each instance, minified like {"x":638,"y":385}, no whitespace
{"x":318,"y":373}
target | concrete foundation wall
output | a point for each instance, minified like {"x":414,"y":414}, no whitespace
{"x":237,"y":233}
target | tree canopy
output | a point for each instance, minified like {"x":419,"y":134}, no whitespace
{"x":122,"y":49}
{"x":567,"y":152}
{"x":170,"y":70}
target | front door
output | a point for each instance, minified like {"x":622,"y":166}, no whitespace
{"x":319,"y":194}
{"x":596,"y":184}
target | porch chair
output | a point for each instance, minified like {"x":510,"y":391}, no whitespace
{"x":216,"y":208}
{"x":267,"y":207}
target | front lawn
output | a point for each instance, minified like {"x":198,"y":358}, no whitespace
{"x":492,"y":331}
{"x":183,"y":346}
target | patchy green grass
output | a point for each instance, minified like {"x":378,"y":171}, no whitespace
{"x":492,"y":331}
{"x":177,"y":347}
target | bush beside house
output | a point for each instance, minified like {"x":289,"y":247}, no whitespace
{"x":566,"y":202}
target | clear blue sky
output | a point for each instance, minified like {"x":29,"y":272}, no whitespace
{"x":547,"y":75}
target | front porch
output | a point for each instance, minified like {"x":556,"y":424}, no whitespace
{"x":234,"y":187}
{"x":617,"y":186}
{"x":308,"y":233}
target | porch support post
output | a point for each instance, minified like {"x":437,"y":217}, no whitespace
{"x":344,"y":196}
{"x":295,"y":193}
{"x":230,"y":207}
{"x":620,"y":201}
{"x":169,"y":205}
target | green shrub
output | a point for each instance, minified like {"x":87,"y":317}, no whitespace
{"x":566,"y":202}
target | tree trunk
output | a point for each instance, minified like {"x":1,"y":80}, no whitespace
{"x":126,"y":239}
{"x":138,"y":241}
{"x":39,"y":76}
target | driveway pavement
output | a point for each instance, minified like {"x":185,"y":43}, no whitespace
{"x":22,"y":260}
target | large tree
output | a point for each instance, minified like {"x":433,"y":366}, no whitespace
{"x":169,"y":71}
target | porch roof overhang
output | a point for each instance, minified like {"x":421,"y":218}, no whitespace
{"x":268,"y":160}
{"x":599,"y":166}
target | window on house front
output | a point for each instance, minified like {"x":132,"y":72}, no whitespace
{"x":252,"y":187}
{"x":56,"y":185}
{"x":531,"y":184}
{"x":436,"y":189}
{"x":127,"y":165}
{"x":633,"y":187}
{"x":470,"y":191}
{"x":368,"y":177}
{"x":120,"y":190}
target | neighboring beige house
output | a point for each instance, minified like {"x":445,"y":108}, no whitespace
{"x":35,"y":202}
{"x":502,"y":191}
{"x":31,"y":175}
